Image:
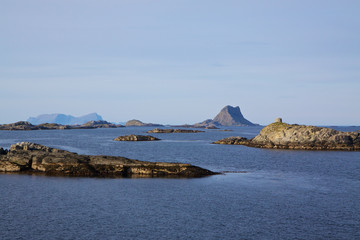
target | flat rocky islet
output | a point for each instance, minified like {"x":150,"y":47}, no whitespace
{"x":32,"y":158}
{"x":279,"y":135}
{"x":160,"y":130}
{"x":133,"y":137}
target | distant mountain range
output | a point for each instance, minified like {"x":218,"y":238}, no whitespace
{"x":64,"y":119}
{"x":228,"y":116}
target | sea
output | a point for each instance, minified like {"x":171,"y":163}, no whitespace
{"x":261,"y":193}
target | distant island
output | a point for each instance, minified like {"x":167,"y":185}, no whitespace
{"x":32,"y":158}
{"x":228,"y":116}
{"x":63,"y":119}
{"x":138,"y":123}
{"x":279,"y":135}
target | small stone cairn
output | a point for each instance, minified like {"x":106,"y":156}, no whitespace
{"x":278,"y":120}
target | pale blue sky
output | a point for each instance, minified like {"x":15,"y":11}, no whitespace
{"x":181,"y":61}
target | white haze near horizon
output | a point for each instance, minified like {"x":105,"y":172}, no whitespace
{"x":181,"y":61}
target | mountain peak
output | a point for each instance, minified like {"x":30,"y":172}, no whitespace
{"x":231,"y":116}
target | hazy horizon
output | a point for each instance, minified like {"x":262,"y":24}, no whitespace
{"x":177,"y":62}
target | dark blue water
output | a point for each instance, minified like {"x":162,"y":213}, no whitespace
{"x":283,"y":194}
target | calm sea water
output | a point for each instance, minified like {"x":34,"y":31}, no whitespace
{"x":282,"y":195}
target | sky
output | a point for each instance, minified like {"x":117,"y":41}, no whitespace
{"x":181,"y":61}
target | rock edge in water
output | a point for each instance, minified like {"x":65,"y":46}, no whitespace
{"x":34,"y":158}
{"x":133,"y":137}
{"x":159,"y":130}
{"x":280,"y":135}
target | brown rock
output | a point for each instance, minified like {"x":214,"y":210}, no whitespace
{"x":136,"y":138}
{"x":38,"y":159}
{"x":233,"y":140}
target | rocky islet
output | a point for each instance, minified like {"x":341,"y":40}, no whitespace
{"x":134,"y":137}
{"x":34,"y":158}
{"x":160,"y":130}
{"x":279,"y":135}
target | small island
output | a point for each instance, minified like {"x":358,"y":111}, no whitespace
{"x":159,"y":130}
{"x":138,"y":123}
{"x":32,"y":158}
{"x":136,"y":138}
{"x":279,"y":135}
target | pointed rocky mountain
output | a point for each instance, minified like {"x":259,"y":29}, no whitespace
{"x":231,"y":116}
{"x":228,"y":116}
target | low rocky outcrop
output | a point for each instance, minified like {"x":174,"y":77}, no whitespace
{"x":52,"y":126}
{"x":138,"y":123}
{"x":281,"y":135}
{"x":38,"y":159}
{"x":211,"y":127}
{"x":100,"y":124}
{"x":159,"y":130}
{"x":136,"y":138}
{"x":233,"y":140}
{"x":21,"y":125}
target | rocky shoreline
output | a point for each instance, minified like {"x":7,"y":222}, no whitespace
{"x":280,"y":135}
{"x":32,"y":158}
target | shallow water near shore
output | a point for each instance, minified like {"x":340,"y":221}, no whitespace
{"x":272,"y":194}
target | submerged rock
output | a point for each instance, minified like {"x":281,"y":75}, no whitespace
{"x":38,"y":159}
{"x":158,"y":130}
{"x":280,"y":135}
{"x":136,"y":138}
